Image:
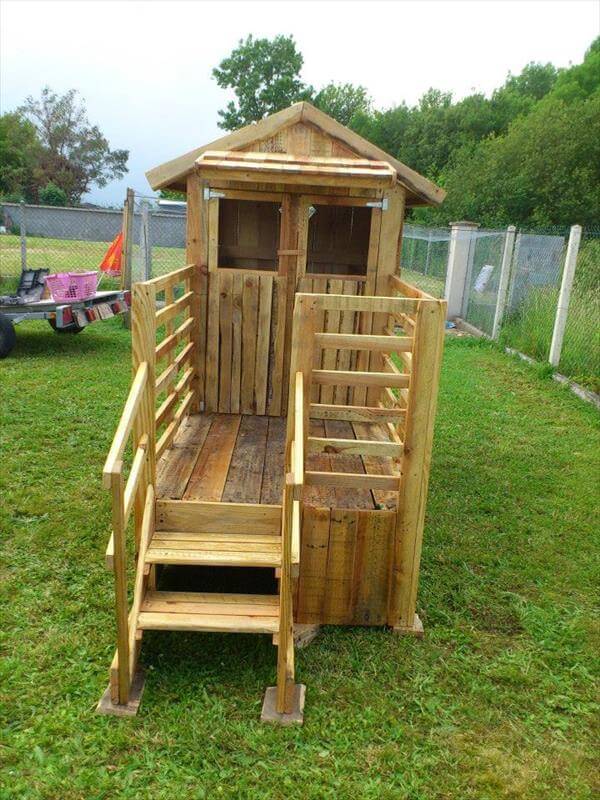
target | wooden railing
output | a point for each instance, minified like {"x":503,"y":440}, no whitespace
{"x":134,"y":494}
{"x":398,"y":346}
{"x":164,"y":307}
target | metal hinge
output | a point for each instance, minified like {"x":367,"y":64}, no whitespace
{"x":210,"y":194}
{"x":382,"y":204}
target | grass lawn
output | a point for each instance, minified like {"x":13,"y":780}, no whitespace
{"x":496,"y":702}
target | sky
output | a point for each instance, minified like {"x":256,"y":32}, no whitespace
{"x":144,"y":68}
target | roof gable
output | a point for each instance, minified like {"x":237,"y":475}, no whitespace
{"x":300,"y":129}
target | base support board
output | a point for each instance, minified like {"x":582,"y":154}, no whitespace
{"x":416,"y":629}
{"x":304,"y":634}
{"x":269,"y":711}
{"x":130,"y":709}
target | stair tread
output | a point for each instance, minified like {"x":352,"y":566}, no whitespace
{"x":201,"y":611}
{"x":214,"y":549}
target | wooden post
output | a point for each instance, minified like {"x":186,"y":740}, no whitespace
{"x":461,"y":235}
{"x":120,"y":570}
{"x":509,"y":243}
{"x":127,"y":248}
{"x":23,"y":235}
{"x":562,"y":308}
{"x":285,"y":648}
{"x":145,"y":238}
{"x":197,"y":254}
{"x":412,"y":498}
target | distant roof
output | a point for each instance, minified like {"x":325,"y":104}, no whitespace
{"x":172,"y":173}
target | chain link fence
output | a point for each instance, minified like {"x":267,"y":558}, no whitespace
{"x":480,"y":298}
{"x":424,"y":257}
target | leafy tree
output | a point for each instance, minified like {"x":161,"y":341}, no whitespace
{"x":343,"y":101}
{"x":75,"y":155}
{"x":52,"y":195}
{"x":20,"y":151}
{"x":264,"y":75}
{"x":171,"y":194}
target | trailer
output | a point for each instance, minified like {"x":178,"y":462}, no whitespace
{"x":62,"y":317}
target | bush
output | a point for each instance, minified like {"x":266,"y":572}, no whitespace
{"x":53,"y":195}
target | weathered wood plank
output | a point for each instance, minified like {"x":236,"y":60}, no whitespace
{"x":249,"y":331}
{"x":210,"y":471}
{"x":272,"y":482}
{"x":244,"y":479}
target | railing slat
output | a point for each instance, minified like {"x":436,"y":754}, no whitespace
{"x":364,"y":341}
{"x":135,"y":474}
{"x":346,"y":378}
{"x":172,"y":278}
{"x":363,"y":447}
{"x":170,"y":342}
{"x":172,"y":370}
{"x":356,"y":413}
{"x":125,"y":425}
{"x":170,"y":311}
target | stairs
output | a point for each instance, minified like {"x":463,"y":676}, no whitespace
{"x":196,"y":611}
{"x":192,"y":533}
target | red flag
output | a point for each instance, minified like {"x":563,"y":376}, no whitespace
{"x":111,"y":263}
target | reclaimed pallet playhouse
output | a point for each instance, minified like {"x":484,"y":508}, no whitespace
{"x":282,"y":404}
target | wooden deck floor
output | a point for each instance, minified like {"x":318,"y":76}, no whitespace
{"x":233,"y":458}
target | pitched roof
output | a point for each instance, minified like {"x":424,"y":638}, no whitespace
{"x":171,"y":173}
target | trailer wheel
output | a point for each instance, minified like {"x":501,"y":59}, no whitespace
{"x":72,"y":328}
{"x":8,"y":337}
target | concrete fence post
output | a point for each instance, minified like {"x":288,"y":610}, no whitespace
{"x":23,"y":235}
{"x":509,"y":243}
{"x":562,"y":308}
{"x":461,"y":234}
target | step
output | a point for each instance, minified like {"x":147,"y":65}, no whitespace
{"x":200,"y":611}
{"x":215,"y":549}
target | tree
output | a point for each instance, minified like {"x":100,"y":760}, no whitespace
{"x":264,"y":75}
{"x":343,"y":101}
{"x":75,"y":155}
{"x":20,"y":151}
{"x":52,"y":195}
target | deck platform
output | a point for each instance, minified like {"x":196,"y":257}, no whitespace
{"x":233,"y":458}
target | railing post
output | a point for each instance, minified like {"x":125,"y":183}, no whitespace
{"x":509,"y":243}
{"x":461,"y":235}
{"x":145,"y":240}
{"x":120,"y":570}
{"x":285,"y":647}
{"x":562,"y":308}
{"x":412,"y":497}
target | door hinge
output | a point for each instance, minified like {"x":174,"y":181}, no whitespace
{"x":382,"y":204}
{"x":210,"y":194}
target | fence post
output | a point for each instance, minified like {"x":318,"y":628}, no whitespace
{"x":23,"y":234}
{"x":509,"y":243}
{"x":458,"y":263}
{"x":562,"y":308}
{"x":145,"y":238}
{"x":128,"y":212}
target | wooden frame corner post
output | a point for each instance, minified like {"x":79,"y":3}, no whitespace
{"x":412,"y":499}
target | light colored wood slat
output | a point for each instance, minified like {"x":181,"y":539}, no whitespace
{"x":349,"y":479}
{"x":171,"y":371}
{"x":236,"y":354}
{"x":392,"y":367}
{"x":313,"y":565}
{"x":280,"y":303}
{"x":245,"y":474}
{"x":170,"y":342}
{"x":210,"y":472}
{"x":251,"y":605}
{"x":378,"y":466}
{"x":211,"y":391}
{"x":147,"y":529}
{"x":249,"y":332}
{"x":226,"y":343}
{"x":216,"y":558}
{"x":235,"y":544}
{"x":263,"y":340}
{"x":295,"y":535}
{"x":171,"y":279}
{"x":135,"y":475}
{"x":179,"y":537}
{"x":365,"y":447}
{"x":299,"y":434}
{"x":175,"y":468}
{"x":356,"y":413}
{"x":346,"y":326}
{"x":408,"y":290}
{"x":203,"y":622}
{"x":167,"y":407}
{"x":132,"y":405}
{"x":382,"y":305}
{"x":163,"y":315}
{"x":357,"y":341}
{"x":332,"y":324}
{"x":215,"y":517}
{"x":167,"y":437}
{"x":337,"y":377}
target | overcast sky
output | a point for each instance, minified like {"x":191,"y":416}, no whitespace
{"x":144,"y":68}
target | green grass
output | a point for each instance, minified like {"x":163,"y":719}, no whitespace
{"x":496,"y":702}
{"x":427,"y":283}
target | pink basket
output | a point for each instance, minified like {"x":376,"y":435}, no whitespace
{"x":70,"y":286}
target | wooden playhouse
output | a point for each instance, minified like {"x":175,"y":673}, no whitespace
{"x":282,"y":404}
